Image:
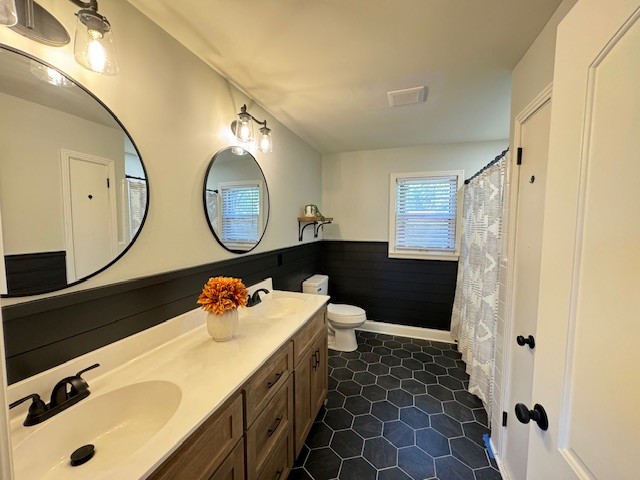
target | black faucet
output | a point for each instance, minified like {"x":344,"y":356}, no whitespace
{"x":67,"y":392}
{"x":253,"y":300}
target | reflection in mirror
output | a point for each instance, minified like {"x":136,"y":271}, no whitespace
{"x":73,"y":189}
{"x":236,"y":199}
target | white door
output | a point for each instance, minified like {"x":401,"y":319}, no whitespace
{"x":90,"y":214}
{"x":532,"y":173}
{"x":586,"y":370}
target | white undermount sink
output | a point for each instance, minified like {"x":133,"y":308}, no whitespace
{"x":117,"y":423}
{"x":280,"y":306}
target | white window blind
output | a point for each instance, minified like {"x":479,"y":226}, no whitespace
{"x":425,"y":214}
{"x":137,"y":196}
{"x":240,"y":219}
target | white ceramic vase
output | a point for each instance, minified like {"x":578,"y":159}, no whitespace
{"x":222,"y":327}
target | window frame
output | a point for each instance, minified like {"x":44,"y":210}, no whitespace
{"x":424,"y":254}
{"x":229,"y":244}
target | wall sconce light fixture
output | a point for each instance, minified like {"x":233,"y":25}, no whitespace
{"x":242,"y":128}
{"x":94,"y":47}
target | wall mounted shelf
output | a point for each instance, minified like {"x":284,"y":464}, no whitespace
{"x":317,"y":222}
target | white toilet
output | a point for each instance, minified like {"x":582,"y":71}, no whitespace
{"x":342,"y":319}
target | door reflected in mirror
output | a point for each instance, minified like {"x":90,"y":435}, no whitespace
{"x":73,"y":189}
{"x":236,"y":199}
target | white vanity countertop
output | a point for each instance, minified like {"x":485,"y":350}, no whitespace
{"x":207,"y":372}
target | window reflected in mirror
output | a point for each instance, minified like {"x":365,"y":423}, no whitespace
{"x":236,"y":200}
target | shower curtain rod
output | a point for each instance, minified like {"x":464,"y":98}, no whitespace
{"x":492,"y":162}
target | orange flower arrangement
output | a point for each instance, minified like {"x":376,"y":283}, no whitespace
{"x":221,"y":294}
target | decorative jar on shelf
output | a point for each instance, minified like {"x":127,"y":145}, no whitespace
{"x":220,"y":298}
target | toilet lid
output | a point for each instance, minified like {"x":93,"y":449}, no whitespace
{"x":346,"y":313}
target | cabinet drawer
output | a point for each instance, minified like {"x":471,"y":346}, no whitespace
{"x":279,"y":463}
{"x":233,"y":467}
{"x":265,"y":382}
{"x":205,"y":450}
{"x":303,"y":340}
{"x":270,"y":427}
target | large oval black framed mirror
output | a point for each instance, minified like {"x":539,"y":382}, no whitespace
{"x":74,"y":193}
{"x":236,"y":200}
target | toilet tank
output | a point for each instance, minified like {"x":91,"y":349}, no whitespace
{"x":317,"y":285}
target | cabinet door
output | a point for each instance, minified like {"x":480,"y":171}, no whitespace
{"x":319,"y":374}
{"x":233,"y":467}
{"x":303,"y":414}
{"x":311,"y":381}
{"x":205,"y":450}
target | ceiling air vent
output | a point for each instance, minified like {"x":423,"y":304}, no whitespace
{"x":408,"y":96}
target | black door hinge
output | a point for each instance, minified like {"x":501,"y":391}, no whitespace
{"x":504,"y":419}
{"x":108,"y":183}
{"x":519,"y":160}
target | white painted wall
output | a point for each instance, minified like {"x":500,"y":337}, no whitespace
{"x":532,"y":74}
{"x":355,"y":185}
{"x":178,"y":111}
{"x":534,"y":71}
{"x":30,"y":176}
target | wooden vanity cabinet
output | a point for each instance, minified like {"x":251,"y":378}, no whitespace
{"x":310,"y":379}
{"x":207,"y":449}
{"x":259,"y":431}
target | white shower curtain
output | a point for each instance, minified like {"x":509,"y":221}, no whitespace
{"x":475,"y":308}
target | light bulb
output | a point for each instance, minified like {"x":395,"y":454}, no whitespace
{"x":96,"y":55}
{"x":49,"y":75}
{"x":245,"y":132}
{"x":265,"y":144}
{"x":54,"y":77}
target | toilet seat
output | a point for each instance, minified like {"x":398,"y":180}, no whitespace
{"x":346,"y":314}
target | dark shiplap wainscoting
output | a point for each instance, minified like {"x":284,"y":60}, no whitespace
{"x":406,"y":292}
{"x":44,"y":333}
{"x":35,"y":272}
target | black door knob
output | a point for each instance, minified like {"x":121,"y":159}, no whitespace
{"x":538,"y":415}
{"x":522,"y":341}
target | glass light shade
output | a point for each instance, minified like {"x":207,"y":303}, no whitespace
{"x":265,"y":142}
{"x":94,"y":47}
{"x":49,"y":75}
{"x":244,"y":128}
{"x":8,"y":13}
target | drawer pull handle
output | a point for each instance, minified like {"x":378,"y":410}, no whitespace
{"x":273,"y":429}
{"x":315,"y":360}
{"x":279,"y":473}
{"x":318,"y":357}
{"x":277,"y":377}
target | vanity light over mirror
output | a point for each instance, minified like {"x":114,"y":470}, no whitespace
{"x":73,"y":189}
{"x":236,"y":199}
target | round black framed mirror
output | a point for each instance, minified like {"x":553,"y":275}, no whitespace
{"x":236,"y":200}
{"x":74,"y":193}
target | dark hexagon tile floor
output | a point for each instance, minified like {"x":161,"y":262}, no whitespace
{"x":397,"y":409}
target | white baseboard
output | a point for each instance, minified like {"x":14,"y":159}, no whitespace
{"x":407,"y":331}
{"x":503,"y":471}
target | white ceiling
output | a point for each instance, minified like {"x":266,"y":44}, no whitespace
{"x":323,"y":67}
